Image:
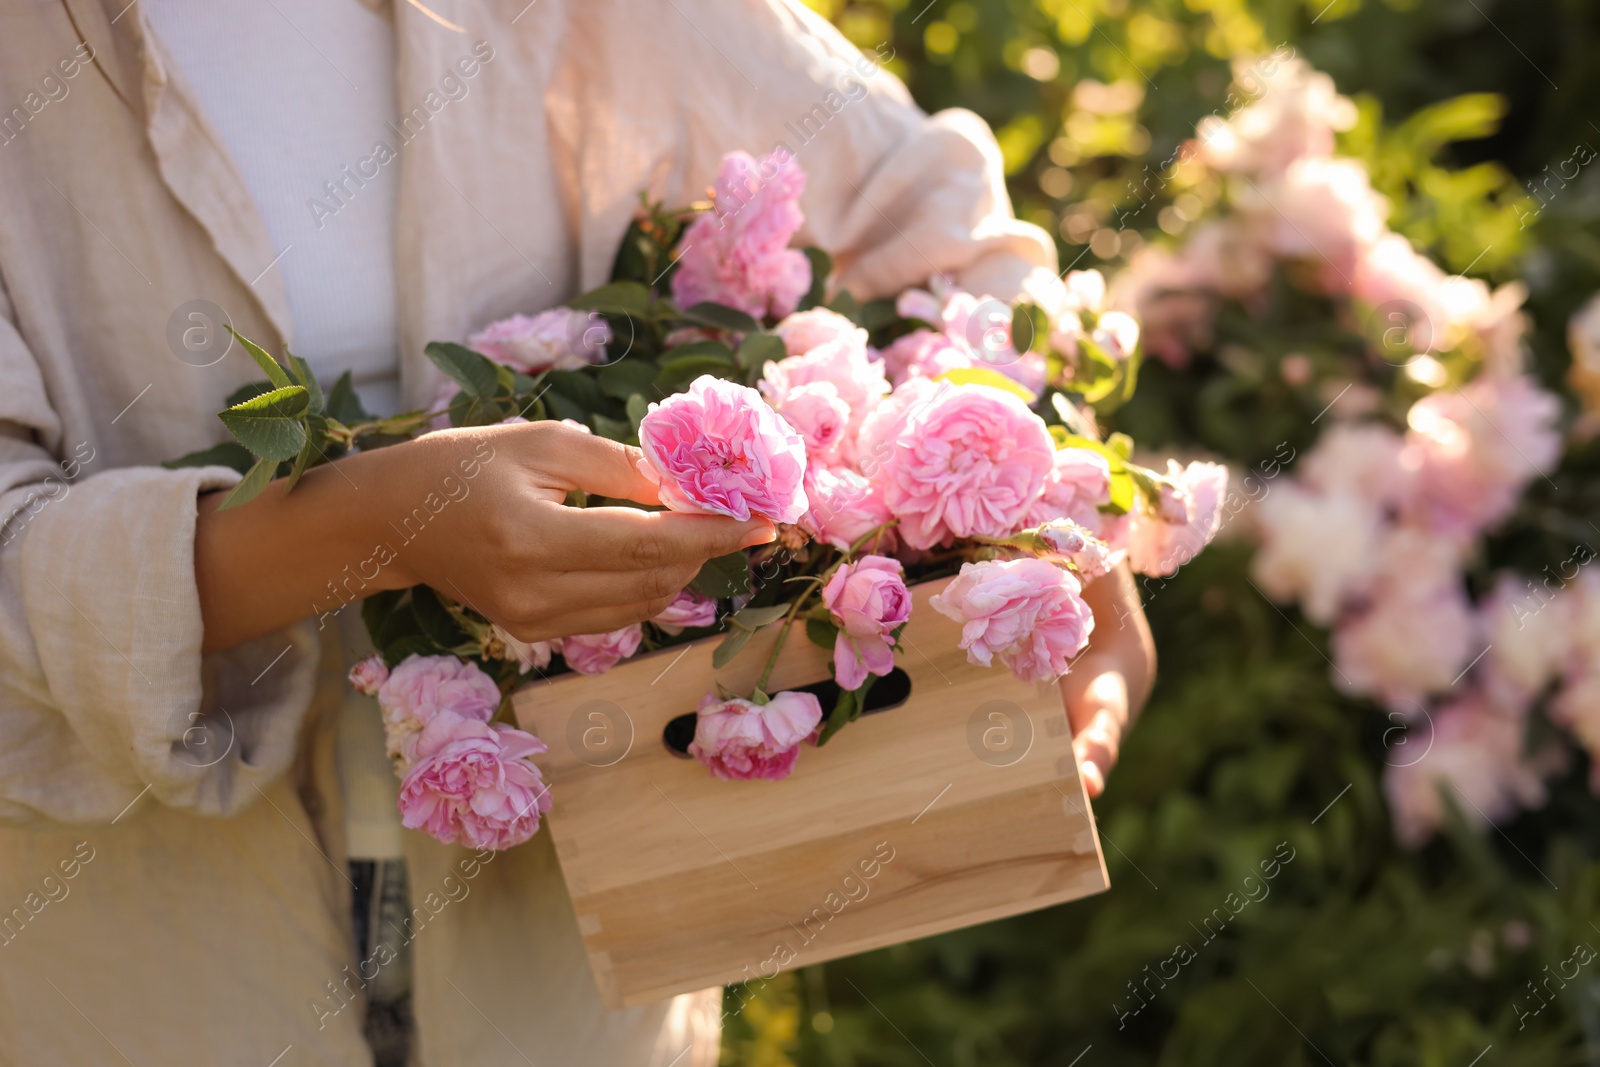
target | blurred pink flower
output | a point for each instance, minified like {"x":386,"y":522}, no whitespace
{"x":868,"y":600}
{"x":740,"y":739}
{"x":1473,"y":751}
{"x":368,"y":675}
{"x":1159,"y":548}
{"x":560,"y":339}
{"x":1027,"y":612}
{"x":739,"y":254}
{"x":1361,"y":460}
{"x":473,"y":784}
{"x":805,"y":330}
{"x":688,"y":609}
{"x":1319,"y":548}
{"x":1406,"y":644}
{"x":1324,"y":211}
{"x":923,"y":354}
{"x":421,"y":688}
{"x":598,"y":653}
{"x":1474,"y":449}
{"x":1294,"y":112}
{"x":957,"y":461}
{"x":718,"y":449}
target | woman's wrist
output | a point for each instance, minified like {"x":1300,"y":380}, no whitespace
{"x":312,"y":553}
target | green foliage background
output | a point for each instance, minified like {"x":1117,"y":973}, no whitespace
{"x":1363,"y":953}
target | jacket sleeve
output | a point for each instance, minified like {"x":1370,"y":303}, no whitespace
{"x":104,"y":693}
{"x":895,"y":195}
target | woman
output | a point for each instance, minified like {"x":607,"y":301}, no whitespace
{"x":191,"y":806}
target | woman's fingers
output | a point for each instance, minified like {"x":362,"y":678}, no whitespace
{"x":598,"y":465}
{"x":1097,"y":710}
{"x":630,"y":539}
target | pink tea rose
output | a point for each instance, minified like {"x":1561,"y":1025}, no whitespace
{"x":423,"y":687}
{"x":1158,"y":547}
{"x":1361,"y":460}
{"x":473,"y":784}
{"x":919,"y":304}
{"x":1027,"y":612}
{"x":368,"y":675}
{"x":687,"y":609}
{"x":958,"y":461}
{"x":598,"y":653}
{"x":845,"y":507}
{"x":559,"y":339}
{"x":1529,"y":633}
{"x":923,"y":354}
{"x":817,"y":413}
{"x":843,"y":363}
{"x":718,"y":449}
{"x":528,"y":655}
{"x":1066,"y":540}
{"x":805,"y":330}
{"x":740,"y":739}
{"x":1078,"y":485}
{"x":868,"y":600}
{"x":739,"y":254}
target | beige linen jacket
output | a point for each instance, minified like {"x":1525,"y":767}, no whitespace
{"x":172,"y":871}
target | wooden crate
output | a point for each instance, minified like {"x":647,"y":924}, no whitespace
{"x":961,"y":806}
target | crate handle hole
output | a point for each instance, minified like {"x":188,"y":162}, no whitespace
{"x":888,"y":692}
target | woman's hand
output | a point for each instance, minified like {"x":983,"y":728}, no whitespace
{"x":477,"y":514}
{"x":1110,"y":681}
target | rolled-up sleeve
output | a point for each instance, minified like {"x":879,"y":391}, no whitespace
{"x":104,"y":692}
{"x":894,"y":194}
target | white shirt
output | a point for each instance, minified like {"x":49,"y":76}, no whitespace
{"x":301,"y":91}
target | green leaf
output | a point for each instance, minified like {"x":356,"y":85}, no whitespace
{"x":343,"y":404}
{"x":1121,"y":444}
{"x":723,"y":577}
{"x":638,"y":408}
{"x":474,"y":372}
{"x":847,"y":710}
{"x":614,"y":429}
{"x":1030,"y":328}
{"x":247,"y":392}
{"x":845,"y":303}
{"x":395,"y":652}
{"x":990,"y":377}
{"x":316,"y":437}
{"x":626,"y":378}
{"x":822,"y":633}
{"x":434,"y":619}
{"x":227,"y":454}
{"x":698,"y":350}
{"x":821,"y":268}
{"x":618,"y":298}
{"x":377,"y":608}
{"x":304,"y":376}
{"x":755,"y":618}
{"x":1096,"y":375}
{"x":581,"y":387}
{"x":757,"y":348}
{"x":271,"y":425}
{"x":731,"y":646}
{"x":258,"y":478}
{"x":275,"y":373}
{"x":678,"y":373}
{"x":720,"y":317}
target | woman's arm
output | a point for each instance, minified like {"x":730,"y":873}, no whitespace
{"x":478,"y":514}
{"x":1111,"y":680}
